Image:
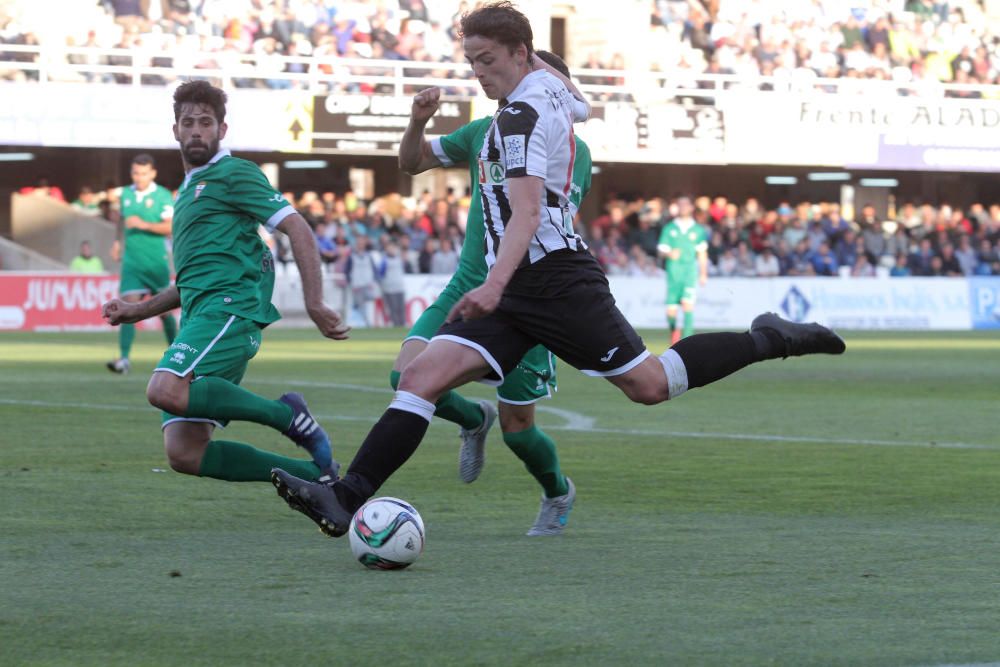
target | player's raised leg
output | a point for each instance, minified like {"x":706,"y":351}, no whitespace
{"x":198,"y":376}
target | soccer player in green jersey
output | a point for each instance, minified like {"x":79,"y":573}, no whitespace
{"x":145,"y":212}
{"x":535,"y":376}
{"x":684,"y":244}
{"x":225,"y":277}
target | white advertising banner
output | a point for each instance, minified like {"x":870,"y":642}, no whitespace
{"x":731,"y":303}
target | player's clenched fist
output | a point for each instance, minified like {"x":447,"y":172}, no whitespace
{"x":425,"y":103}
{"x":117,"y":312}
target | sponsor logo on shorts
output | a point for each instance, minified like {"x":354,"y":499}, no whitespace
{"x":178,"y":358}
{"x":607,"y":357}
{"x":183,"y":346}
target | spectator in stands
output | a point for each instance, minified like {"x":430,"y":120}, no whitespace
{"x":444,"y":261}
{"x":920,"y":259}
{"x":86,"y":262}
{"x":949,"y":262}
{"x":361,"y":276}
{"x":42,"y":188}
{"x":430,"y":246}
{"x":823,"y":261}
{"x":391,"y":271}
{"x":327,"y":248}
{"x":87,"y":203}
{"x":845,"y":248}
{"x":649,"y":223}
{"x":766,"y":264}
{"x":987,"y":259}
{"x":901,"y":269}
{"x":966,"y":255}
{"x":862,"y":268}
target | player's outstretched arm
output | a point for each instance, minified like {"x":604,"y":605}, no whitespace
{"x":526,"y":205}
{"x":300,"y":236}
{"x":117,"y":312}
{"x":583,"y":112}
{"x":415,"y":154}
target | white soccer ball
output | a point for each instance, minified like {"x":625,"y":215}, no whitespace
{"x":386,"y":534}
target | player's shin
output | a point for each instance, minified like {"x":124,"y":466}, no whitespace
{"x":216,"y":398}
{"x":705,"y":358}
{"x":389,"y":444}
{"x":239,"y":462}
{"x":126,"y":336}
{"x":538,"y":453}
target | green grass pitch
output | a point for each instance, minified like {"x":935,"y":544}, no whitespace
{"x":821,"y":511}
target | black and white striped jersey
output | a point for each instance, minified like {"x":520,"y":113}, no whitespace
{"x":531,"y":135}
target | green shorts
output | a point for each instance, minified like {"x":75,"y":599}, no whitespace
{"x":214,"y":344}
{"x":679,"y":290}
{"x":152,"y":278}
{"x":532,"y":380}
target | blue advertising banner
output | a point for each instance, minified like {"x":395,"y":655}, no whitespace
{"x":984,"y":301}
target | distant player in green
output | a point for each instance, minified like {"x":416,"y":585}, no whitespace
{"x":225,"y":277}
{"x":535,"y":377}
{"x":684,"y":244}
{"x":145,"y":213}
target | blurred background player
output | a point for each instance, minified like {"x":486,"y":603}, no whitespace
{"x":684,"y":244}
{"x":535,"y":376}
{"x":225,"y":279}
{"x":145,"y":214}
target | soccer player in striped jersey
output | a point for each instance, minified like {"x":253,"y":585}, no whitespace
{"x":225,"y":277}
{"x":543,"y":286}
{"x":534,"y":378}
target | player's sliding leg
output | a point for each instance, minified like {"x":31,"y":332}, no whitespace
{"x":191,"y":450}
{"x":198,"y":377}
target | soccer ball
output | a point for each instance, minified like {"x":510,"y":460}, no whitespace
{"x":386,"y":534}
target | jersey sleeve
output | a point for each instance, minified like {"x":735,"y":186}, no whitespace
{"x":166,"y":202}
{"x":457,"y":147}
{"x":523,"y":139}
{"x":663,"y":245}
{"x":252,"y":194}
{"x":583,"y":168}
{"x":702,"y":245}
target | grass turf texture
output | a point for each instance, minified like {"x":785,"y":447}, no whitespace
{"x":811,"y":511}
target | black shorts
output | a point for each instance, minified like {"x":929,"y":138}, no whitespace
{"x":562,"y":302}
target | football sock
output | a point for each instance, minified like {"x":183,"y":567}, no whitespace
{"x":126,"y":334}
{"x":688,"y":323}
{"x":452,"y":407}
{"x":215,"y":398}
{"x":169,"y":327}
{"x":538,"y":453}
{"x":708,"y":357}
{"x":239,"y":462}
{"x":389,"y":444}
{"x":671,"y":322}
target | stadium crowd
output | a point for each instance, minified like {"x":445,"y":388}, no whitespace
{"x":907,"y":41}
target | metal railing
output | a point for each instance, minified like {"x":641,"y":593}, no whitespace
{"x":325,"y":74}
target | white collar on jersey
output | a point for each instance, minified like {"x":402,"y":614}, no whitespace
{"x":142,"y":193}
{"x":525,"y":82}
{"x":223,"y":152}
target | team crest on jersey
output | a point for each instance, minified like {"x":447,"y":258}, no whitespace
{"x":198,"y":188}
{"x":490,"y":173}
{"x":514,"y":148}
{"x":149,"y":203}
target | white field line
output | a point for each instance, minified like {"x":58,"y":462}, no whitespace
{"x":574,"y":422}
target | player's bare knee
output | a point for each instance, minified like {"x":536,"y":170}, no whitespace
{"x":513,"y":421}
{"x":184,"y":444}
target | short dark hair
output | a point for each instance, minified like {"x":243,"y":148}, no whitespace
{"x":144,"y":159}
{"x":552,"y":59}
{"x":501,"y":22}
{"x":200,"y":92}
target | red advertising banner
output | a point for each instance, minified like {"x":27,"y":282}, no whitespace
{"x":56,"y":301}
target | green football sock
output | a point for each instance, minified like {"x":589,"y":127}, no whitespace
{"x":538,"y":453}
{"x":126,"y":334}
{"x":215,"y":398}
{"x":671,"y":322}
{"x":688,"y":323}
{"x":239,"y":462}
{"x":169,"y":327}
{"x":451,"y":407}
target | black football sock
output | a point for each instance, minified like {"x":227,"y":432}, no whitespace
{"x":388,"y":446}
{"x":710,"y":357}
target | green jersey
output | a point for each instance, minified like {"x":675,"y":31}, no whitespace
{"x":145,"y":249}
{"x":222,"y":263}
{"x":689,"y":239}
{"x":464,"y":145}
